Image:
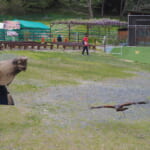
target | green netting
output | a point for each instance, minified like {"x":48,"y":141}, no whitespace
{"x":2,"y":35}
{"x":29,"y":31}
{"x":25,"y":35}
{"x":33,"y":34}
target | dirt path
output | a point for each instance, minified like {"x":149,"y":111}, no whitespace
{"x":69,"y":105}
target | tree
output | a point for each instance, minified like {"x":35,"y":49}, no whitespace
{"x":89,"y":3}
{"x":102,"y":7}
{"x":38,"y":6}
{"x":12,"y":7}
{"x":117,"y":7}
{"x":123,"y":5}
{"x":3,"y":7}
{"x":16,"y":7}
{"x":134,"y":5}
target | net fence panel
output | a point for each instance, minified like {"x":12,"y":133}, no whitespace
{"x":139,"y":30}
{"x":24,"y":35}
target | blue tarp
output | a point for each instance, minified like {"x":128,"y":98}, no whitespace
{"x":30,"y":24}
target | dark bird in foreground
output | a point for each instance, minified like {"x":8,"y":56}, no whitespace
{"x":120,"y":107}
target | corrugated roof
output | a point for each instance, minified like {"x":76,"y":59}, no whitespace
{"x":31,"y":24}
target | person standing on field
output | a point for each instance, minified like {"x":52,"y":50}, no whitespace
{"x":59,"y":38}
{"x":85,"y":45}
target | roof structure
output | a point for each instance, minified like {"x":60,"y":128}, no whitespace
{"x":31,"y":24}
{"x":138,"y":13}
{"x":99,"y":22}
{"x":88,"y":23}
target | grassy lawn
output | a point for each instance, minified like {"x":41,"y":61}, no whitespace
{"x":137,"y":54}
{"x":29,"y":126}
{"x":24,"y":130}
{"x":57,"y":68}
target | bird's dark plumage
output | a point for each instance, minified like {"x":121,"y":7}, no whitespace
{"x":120,"y":107}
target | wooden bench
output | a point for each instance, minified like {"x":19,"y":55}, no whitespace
{"x":1,"y":47}
{"x":22,"y":44}
{"x":44,"y":45}
{"x":71,"y":44}
{"x":4,"y":43}
{"x":25,"y":44}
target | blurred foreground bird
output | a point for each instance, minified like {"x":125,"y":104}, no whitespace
{"x":120,"y":107}
{"x":8,"y":70}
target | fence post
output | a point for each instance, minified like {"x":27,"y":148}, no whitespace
{"x":104,"y":43}
{"x":69,"y":31}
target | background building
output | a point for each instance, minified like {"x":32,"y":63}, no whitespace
{"x":139,"y":29}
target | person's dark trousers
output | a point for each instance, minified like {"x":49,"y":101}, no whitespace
{"x":87,"y":50}
{"x":3,"y":95}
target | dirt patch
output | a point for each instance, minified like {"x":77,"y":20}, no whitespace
{"x":70,"y":105}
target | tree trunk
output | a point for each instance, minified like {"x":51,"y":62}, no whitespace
{"x":90,"y":8}
{"x":102,"y":8}
{"x":70,"y":1}
{"x":121,"y":7}
{"x":124,"y":8}
{"x":137,"y":6}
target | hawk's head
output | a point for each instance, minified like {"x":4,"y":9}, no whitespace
{"x":20,"y":64}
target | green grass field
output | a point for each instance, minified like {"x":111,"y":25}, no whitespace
{"x":137,"y":54}
{"x":24,"y":127}
{"x":57,"y":68}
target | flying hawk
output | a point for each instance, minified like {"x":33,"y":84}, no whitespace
{"x":120,"y":107}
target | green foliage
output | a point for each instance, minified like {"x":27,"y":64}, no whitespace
{"x":13,"y":7}
{"x":78,"y":7}
{"x":3,"y":7}
{"x":37,"y":6}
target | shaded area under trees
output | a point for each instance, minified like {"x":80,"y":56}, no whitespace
{"x":92,"y":8}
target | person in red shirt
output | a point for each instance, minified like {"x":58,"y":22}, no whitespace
{"x":85,"y":45}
